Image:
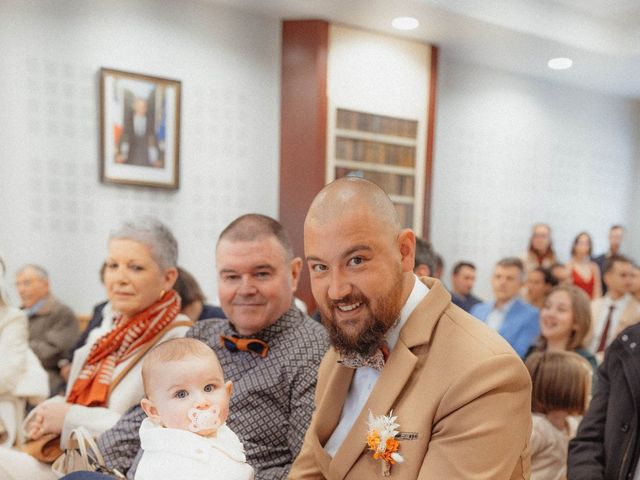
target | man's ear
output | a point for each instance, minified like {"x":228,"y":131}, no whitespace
{"x":151,"y":411}
{"x":407,"y":246}
{"x":296,"y":268}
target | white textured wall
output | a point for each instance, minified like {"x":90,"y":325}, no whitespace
{"x":511,"y":151}
{"x":54,"y":210}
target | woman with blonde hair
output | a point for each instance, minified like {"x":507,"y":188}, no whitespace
{"x":565,"y":321}
{"x":105,"y":379}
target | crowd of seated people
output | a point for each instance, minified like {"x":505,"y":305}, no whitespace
{"x":262,"y":339}
{"x":587,"y":307}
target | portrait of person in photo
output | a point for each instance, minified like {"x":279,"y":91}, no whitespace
{"x":140,"y":124}
{"x":141,"y":135}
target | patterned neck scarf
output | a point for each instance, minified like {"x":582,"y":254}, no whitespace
{"x":91,"y":388}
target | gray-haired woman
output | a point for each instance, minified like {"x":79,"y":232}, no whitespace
{"x":105,"y":377}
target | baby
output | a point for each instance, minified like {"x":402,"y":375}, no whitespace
{"x":187,"y":404}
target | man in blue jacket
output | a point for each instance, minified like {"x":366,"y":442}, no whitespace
{"x":517,"y":321}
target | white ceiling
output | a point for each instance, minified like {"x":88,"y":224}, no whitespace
{"x":602,"y":37}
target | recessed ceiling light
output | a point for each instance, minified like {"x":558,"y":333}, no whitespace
{"x":405,"y":23}
{"x":560,"y":63}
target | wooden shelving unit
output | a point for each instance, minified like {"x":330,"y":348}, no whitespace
{"x":381,"y":149}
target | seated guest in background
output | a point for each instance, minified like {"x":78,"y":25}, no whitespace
{"x":540,"y":252}
{"x":561,"y":390}
{"x":537,"y":286}
{"x":635,"y":283}
{"x":53,"y":327}
{"x":268,"y":348}
{"x":425,"y":263}
{"x":439,"y":266}
{"x":463,"y":277}
{"x":514,"y":319}
{"x":606,"y":445}
{"x":616,"y":235}
{"x":585,"y":274}
{"x":193,"y":298}
{"x":561,"y":273}
{"x":14,"y":343}
{"x":565,"y":322}
{"x":105,"y":376}
{"x":403,"y":358}
{"x":617,"y":309}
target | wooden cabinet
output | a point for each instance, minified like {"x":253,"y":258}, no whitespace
{"x":381,"y":149}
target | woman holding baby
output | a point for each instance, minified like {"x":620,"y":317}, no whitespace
{"x":105,"y":377}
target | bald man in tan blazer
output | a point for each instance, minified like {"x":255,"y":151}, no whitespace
{"x":460,"y":393}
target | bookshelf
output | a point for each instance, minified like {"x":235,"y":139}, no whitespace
{"x":381,"y":149}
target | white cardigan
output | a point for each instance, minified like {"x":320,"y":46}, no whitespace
{"x":14,"y":343}
{"x":172,"y":454}
{"x":125,"y":395}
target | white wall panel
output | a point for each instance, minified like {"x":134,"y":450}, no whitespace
{"x":54,"y":210}
{"x":511,"y":151}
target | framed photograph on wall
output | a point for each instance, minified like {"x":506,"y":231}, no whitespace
{"x":139,"y":129}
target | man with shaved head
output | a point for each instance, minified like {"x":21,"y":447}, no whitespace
{"x":457,"y":392}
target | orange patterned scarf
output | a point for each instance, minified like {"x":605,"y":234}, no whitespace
{"x":91,"y":388}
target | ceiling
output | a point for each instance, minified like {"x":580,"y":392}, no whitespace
{"x":602,"y":37}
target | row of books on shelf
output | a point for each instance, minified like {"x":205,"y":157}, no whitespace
{"x":367,"y":122}
{"x":391,"y":183}
{"x":375,"y":152}
{"x":405,"y":213}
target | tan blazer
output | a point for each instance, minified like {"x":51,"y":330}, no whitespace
{"x":630,"y":315}
{"x":450,"y":379}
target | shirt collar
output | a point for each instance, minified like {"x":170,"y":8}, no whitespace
{"x":619,"y":302}
{"x":290,"y":318}
{"x":33,"y":309}
{"x":418,"y":292}
{"x":507,"y":306}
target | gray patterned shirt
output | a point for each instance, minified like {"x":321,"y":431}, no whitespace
{"x":272,"y":399}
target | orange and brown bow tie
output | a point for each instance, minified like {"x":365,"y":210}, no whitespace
{"x":234,"y":343}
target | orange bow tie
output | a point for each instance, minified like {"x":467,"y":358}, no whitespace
{"x":235,"y":344}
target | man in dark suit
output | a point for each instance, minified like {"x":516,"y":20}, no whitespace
{"x":514,"y":319}
{"x":463,"y":277}
{"x":616,"y":235}
{"x":138,"y":144}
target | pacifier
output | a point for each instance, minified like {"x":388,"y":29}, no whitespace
{"x":204,"y":420}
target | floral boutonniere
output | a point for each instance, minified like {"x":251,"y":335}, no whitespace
{"x":381,"y":438}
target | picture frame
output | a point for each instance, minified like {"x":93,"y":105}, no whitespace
{"x":139,"y":129}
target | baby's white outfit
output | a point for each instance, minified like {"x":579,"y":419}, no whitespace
{"x":172,"y":454}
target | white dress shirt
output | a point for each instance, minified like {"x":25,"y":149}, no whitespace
{"x":619,"y":306}
{"x":496,"y":316}
{"x":365,"y":378}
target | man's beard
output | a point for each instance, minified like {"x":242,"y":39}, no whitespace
{"x":371,"y":334}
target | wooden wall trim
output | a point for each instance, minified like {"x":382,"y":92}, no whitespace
{"x":431,"y":123}
{"x":303,"y":129}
